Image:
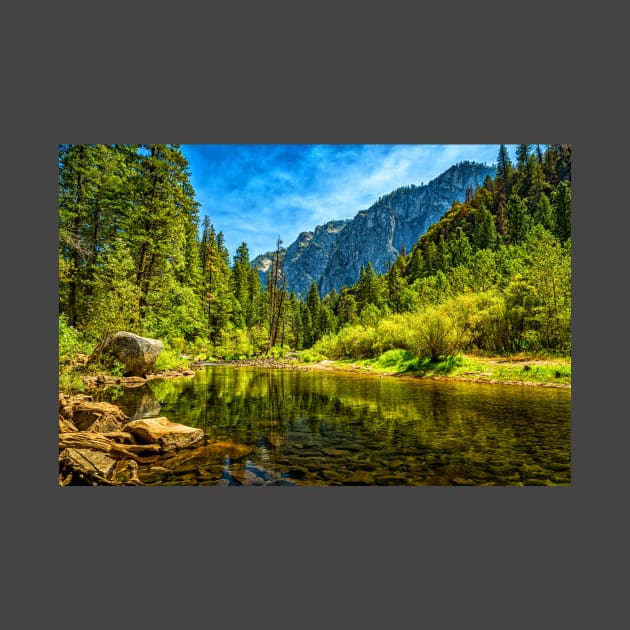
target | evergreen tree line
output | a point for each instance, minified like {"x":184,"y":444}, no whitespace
{"x":134,"y":255}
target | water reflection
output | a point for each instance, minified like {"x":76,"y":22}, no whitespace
{"x":136,"y":402}
{"x":314,"y":428}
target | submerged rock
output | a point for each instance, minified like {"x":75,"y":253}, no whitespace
{"x":359,"y":478}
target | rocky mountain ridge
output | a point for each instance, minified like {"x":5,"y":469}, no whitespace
{"x":332,"y":254}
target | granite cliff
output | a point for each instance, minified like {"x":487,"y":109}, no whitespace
{"x":332,"y":254}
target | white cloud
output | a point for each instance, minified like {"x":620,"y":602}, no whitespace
{"x":255,"y":194}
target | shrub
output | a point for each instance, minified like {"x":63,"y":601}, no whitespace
{"x":70,"y":345}
{"x":440,"y":332}
{"x":170,"y":359}
{"x":311,"y":356}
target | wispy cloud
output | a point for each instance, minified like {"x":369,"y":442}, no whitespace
{"x":255,"y":193}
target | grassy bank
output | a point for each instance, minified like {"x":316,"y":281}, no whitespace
{"x":522,"y":368}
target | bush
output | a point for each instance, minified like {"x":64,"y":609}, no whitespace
{"x":71,"y":344}
{"x":311,"y":356}
{"x":234,"y":344}
{"x":393,"y":333}
{"x":69,"y":340}
{"x":441,"y":332}
{"x":170,"y":359}
{"x":355,"y":342}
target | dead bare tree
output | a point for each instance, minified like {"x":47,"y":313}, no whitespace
{"x":276,"y":284}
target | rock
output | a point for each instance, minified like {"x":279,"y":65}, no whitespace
{"x":331,"y":475}
{"x":133,"y":381}
{"x":462,"y":481}
{"x":248,"y":478}
{"x":97,"y":416}
{"x":104,"y":424}
{"x":359,"y":478}
{"x":336,"y":452}
{"x":169,"y":435}
{"x":89,"y":459}
{"x":105,"y":379}
{"x":298,"y":472}
{"x":205,"y":455}
{"x":332,"y":254}
{"x":138,"y":354}
{"x":390,"y":479}
{"x":233,"y":450}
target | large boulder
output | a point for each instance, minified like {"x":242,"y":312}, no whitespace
{"x":138,"y":354}
{"x":169,"y":435}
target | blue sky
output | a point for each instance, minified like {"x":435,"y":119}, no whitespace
{"x":257,"y":193}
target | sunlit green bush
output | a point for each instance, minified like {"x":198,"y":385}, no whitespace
{"x":311,"y":356}
{"x":234,"y":344}
{"x":393,"y":333}
{"x":71,"y":344}
{"x":350,"y":342}
{"x":170,"y":359}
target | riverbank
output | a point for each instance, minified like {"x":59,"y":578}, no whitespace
{"x":526,"y":370}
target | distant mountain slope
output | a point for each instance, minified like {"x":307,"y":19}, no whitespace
{"x":332,"y":255}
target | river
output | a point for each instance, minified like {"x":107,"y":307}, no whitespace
{"x":314,"y":428}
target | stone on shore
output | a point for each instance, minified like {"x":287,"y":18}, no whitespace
{"x":169,"y":435}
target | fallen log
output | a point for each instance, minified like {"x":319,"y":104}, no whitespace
{"x":82,"y":467}
{"x":98,"y":442}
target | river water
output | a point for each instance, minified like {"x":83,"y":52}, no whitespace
{"x":313,"y":428}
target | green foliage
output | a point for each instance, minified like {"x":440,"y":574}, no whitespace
{"x":397,"y":361}
{"x":370,"y":315}
{"x":174,"y":311}
{"x":437,"y":333}
{"x":234,"y":343}
{"x":518,"y":219}
{"x":350,"y":342}
{"x":170,"y":359}
{"x":494,"y":274}
{"x":500,"y":321}
{"x":114,"y":302}
{"x":312,"y":355}
{"x":71,"y":344}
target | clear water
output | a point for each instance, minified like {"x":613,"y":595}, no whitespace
{"x":290,"y":427}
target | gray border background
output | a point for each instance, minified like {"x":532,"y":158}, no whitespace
{"x":280,"y":72}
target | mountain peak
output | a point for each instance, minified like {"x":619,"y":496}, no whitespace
{"x":333,"y":253}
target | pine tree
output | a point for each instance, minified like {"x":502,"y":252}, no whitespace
{"x":313,"y":303}
{"x":216,"y":281}
{"x":522,"y":175}
{"x":368,"y":289}
{"x":443,"y":254}
{"x":416,"y":266}
{"x":561,"y":204}
{"x":92,"y":203}
{"x":460,"y":248}
{"x":430,"y":252}
{"x":518,"y":220}
{"x":244,"y":289}
{"x":347,"y":310}
{"x":538,"y":187}
{"x":484,"y":235}
{"x":504,"y":176}
{"x":396,"y":285}
{"x":543,"y":213}
{"x":162,"y":220}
